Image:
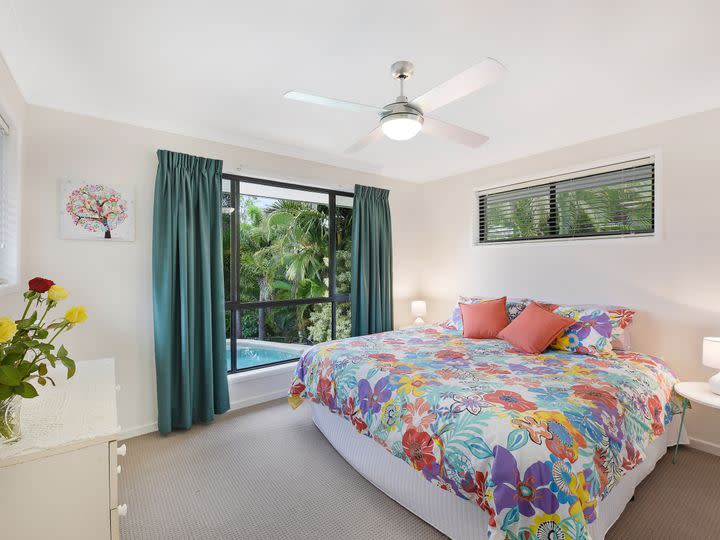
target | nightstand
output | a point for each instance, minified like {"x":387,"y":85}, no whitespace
{"x":696,"y":392}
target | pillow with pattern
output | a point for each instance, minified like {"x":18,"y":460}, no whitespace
{"x":620,"y":317}
{"x":596,"y":330}
{"x":514,"y":307}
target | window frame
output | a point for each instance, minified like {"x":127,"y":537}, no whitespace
{"x":235,"y":307}
{"x":553,"y":178}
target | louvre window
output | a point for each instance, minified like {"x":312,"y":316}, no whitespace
{"x":610,"y":201}
{"x":8,"y":210}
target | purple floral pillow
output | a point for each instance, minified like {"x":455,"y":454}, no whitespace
{"x":514,"y":307}
{"x":592,"y":332}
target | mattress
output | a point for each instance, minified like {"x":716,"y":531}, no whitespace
{"x":457,"y":518}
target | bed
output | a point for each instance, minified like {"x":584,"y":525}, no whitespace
{"x":484,"y":441}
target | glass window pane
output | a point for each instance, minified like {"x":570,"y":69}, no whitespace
{"x":343,"y":246}
{"x":518,"y":215}
{"x":283,"y":248}
{"x":343,"y":320}
{"x":605,"y":209}
{"x":303,"y":324}
{"x":277,"y":334}
{"x":228,"y":323}
{"x":227,"y":211}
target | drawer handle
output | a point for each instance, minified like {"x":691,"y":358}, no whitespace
{"x":119,"y":469}
{"x":121,"y":450}
{"x":122,"y":510}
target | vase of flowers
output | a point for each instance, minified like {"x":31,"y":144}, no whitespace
{"x":27,"y":346}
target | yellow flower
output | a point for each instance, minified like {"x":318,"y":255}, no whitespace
{"x":57,"y":293}
{"x":7,"y":329}
{"x":549,"y":526}
{"x":585,"y":504}
{"x":76,"y":314}
{"x":412,"y":385}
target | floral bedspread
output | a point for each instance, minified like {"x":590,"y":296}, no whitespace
{"x":534,"y":440}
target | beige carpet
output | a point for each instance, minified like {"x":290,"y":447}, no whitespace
{"x":268,"y":473}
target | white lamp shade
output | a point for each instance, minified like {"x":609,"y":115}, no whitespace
{"x":401,"y":127}
{"x":711,"y":352}
{"x":418,"y":308}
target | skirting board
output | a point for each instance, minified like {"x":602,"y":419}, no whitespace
{"x":705,"y":446}
{"x":235,"y":405}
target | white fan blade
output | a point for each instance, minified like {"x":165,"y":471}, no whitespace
{"x":480,"y":75}
{"x":330,"y":102}
{"x":431,"y":126}
{"x":375,"y":135}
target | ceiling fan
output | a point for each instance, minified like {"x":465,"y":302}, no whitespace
{"x":402,"y":119}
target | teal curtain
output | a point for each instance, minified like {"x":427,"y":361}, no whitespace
{"x":371,"y":289}
{"x":188,"y":291}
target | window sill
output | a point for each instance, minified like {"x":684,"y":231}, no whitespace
{"x":262,"y":373}
{"x":579,"y":240}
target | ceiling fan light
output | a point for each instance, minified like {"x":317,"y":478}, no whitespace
{"x":401,"y":127}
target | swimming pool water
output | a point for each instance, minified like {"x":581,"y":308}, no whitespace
{"x":259,"y":355}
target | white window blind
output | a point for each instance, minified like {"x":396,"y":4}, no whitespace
{"x":616,"y":200}
{"x":8,"y":211}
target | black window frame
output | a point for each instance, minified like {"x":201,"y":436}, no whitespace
{"x":553,"y":221}
{"x":235,"y":307}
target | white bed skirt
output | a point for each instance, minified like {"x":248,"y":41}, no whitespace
{"x":457,"y":518}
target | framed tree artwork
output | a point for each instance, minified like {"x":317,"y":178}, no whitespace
{"x":90,"y":211}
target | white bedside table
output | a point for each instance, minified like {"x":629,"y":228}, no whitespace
{"x":697,"y":392}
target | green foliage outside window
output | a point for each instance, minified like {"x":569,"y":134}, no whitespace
{"x":284,"y":254}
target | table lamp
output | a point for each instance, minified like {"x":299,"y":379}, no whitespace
{"x":711,"y":358}
{"x":419,"y":309}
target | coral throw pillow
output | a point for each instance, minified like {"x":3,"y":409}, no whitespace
{"x":484,"y":320}
{"x":535,"y":329}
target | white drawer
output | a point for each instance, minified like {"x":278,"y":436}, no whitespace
{"x":71,"y":488}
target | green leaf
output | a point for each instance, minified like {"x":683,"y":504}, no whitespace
{"x":45,"y":348}
{"x":69,"y":364}
{"x":25,"y":368}
{"x":9,"y":376}
{"x":511,"y":517}
{"x":41,"y":334}
{"x":13,"y":356}
{"x":25,"y":390}
{"x":479,"y":448}
{"x":517,"y":438}
{"x":5,"y":392}
{"x":62,"y":352}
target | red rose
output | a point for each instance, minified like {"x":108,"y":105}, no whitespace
{"x":40,"y":285}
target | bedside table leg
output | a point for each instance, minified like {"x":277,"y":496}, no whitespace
{"x":682,"y":422}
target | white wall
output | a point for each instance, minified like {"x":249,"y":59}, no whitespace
{"x":673,"y":281}
{"x":114,"y":280}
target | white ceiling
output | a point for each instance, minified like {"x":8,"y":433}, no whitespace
{"x":577,"y":70}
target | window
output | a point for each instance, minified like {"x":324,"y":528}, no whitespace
{"x":9,"y":203}
{"x":287,"y":269}
{"x":618,"y":200}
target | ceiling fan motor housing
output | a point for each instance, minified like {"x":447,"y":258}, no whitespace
{"x":402,"y":69}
